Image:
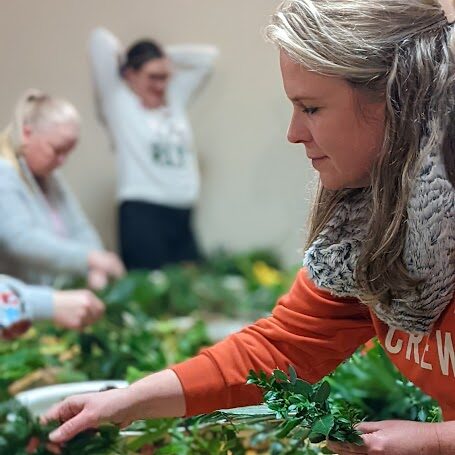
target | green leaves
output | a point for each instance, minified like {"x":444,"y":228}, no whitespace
{"x":280,"y":375}
{"x":153,"y":432}
{"x":138,"y":337}
{"x":371,"y":383}
{"x":321,"y":428}
{"x":322,"y":393}
{"x":305,"y":410}
{"x":292,"y":375}
{"x":226,"y":284}
{"x":296,"y":416}
{"x":303,"y":388}
{"x":287,"y":427}
{"x":19,"y":430}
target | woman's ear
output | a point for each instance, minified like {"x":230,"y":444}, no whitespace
{"x":26,"y":134}
{"x":127,"y":74}
{"x":26,"y":131}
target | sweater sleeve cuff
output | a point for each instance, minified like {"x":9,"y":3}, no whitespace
{"x":202,"y":384}
{"x":81,"y":261}
{"x":39,"y":302}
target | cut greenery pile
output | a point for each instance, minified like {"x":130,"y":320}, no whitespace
{"x":139,"y":336}
{"x":140,"y":333}
{"x":295,"y":416}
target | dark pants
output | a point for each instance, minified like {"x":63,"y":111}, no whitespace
{"x":153,"y":235}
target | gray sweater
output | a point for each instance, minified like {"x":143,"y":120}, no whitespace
{"x":31,"y":249}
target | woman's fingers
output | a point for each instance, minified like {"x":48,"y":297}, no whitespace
{"x":75,"y":415}
{"x":346,"y":448}
{"x":64,"y":411}
{"x":72,"y":427}
{"x":369,"y":427}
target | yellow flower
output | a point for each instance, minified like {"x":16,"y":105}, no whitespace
{"x":266,"y":275}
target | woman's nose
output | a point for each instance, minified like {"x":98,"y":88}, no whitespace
{"x":298,"y":131}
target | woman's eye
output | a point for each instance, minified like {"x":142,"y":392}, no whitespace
{"x":310,"y":110}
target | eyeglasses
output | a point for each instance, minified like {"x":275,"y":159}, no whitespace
{"x":158,"y":77}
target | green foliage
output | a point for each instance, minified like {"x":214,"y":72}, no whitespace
{"x":295,"y":415}
{"x":21,"y":434}
{"x":137,"y":331}
{"x":138,"y":337}
{"x":232,"y":285}
{"x":107,"y":350}
{"x":305,"y":410}
{"x":371,"y":383}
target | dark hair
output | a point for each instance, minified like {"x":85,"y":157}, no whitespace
{"x":139,"y":53}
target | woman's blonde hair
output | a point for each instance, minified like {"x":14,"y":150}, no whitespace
{"x":39,"y":111}
{"x":401,"y":51}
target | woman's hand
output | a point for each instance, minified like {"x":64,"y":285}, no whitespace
{"x":76,"y":309}
{"x":82,"y":412}
{"x":155,"y":396}
{"x":102,"y":266}
{"x":395,"y":437}
{"x":97,"y":279}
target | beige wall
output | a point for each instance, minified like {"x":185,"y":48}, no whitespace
{"x":255,"y":185}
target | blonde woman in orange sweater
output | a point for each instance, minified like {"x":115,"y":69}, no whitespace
{"x":372,"y":86}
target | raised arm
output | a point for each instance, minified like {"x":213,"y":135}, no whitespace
{"x":105,"y":52}
{"x":192,"y":64}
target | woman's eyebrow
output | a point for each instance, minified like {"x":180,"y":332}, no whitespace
{"x":297,"y":99}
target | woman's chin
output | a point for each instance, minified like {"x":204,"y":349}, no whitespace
{"x":333,"y":183}
{"x":329,"y":183}
{"x":153,"y":102}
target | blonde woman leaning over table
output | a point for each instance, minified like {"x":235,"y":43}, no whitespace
{"x":44,"y":232}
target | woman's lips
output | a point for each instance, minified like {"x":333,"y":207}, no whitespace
{"x":316,"y":161}
{"x":317,"y":158}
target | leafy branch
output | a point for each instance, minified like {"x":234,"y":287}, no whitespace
{"x":306,"y":410}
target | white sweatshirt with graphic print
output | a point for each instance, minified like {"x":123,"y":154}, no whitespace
{"x":156,"y":160}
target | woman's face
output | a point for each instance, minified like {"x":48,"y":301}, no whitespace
{"x":150,"y":81}
{"x":47,"y":149}
{"x":342,"y":130}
